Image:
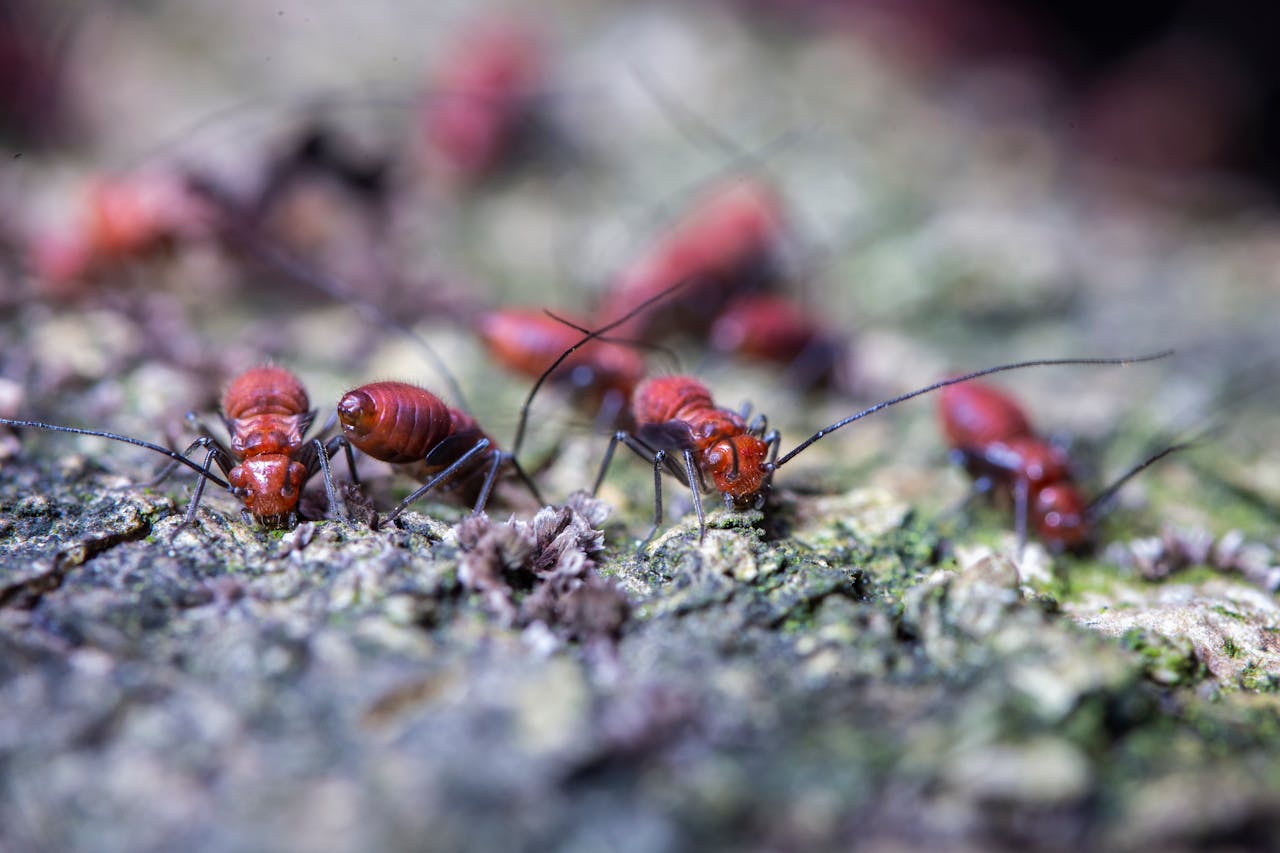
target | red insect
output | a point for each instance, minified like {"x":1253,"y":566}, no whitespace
{"x":708,"y":448}
{"x":680,"y":429}
{"x":992,"y":437}
{"x":269,"y":460}
{"x":482,"y":97}
{"x":403,"y":424}
{"x":527,"y":341}
{"x":728,"y":244}
{"x":123,"y":219}
{"x":774,"y":328}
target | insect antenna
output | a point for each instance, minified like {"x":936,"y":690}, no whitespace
{"x":634,"y":343}
{"x":1099,"y":505}
{"x":1044,"y":362}
{"x":173,"y":455}
{"x":522,"y":426}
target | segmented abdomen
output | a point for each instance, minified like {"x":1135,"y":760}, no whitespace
{"x":974,"y":416}
{"x":395,"y":421}
{"x":265,"y":390}
{"x":668,"y":398}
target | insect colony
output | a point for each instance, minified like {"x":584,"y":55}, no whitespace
{"x":719,"y":270}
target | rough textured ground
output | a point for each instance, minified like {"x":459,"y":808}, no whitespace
{"x":861,"y":663}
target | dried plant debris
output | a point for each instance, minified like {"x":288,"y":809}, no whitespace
{"x":1177,"y":549}
{"x":543,"y":570}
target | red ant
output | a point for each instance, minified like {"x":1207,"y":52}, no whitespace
{"x":401,"y":423}
{"x":726,"y":245}
{"x":123,"y":219}
{"x":482,"y":93}
{"x":774,"y":328}
{"x":603,"y":374}
{"x":991,"y":437}
{"x":679,"y":429}
{"x":268,"y":461}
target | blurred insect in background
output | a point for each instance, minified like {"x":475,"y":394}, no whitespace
{"x":269,"y":459}
{"x":481,"y":100}
{"x":990,"y":435}
{"x":727,"y":245}
{"x":122,"y":220}
{"x":600,"y":376}
{"x":775,"y":329}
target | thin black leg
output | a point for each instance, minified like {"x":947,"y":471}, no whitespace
{"x":526,"y":479}
{"x":487,"y":486}
{"x":1021,"y":495}
{"x":447,"y":474}
{"x":199,"y":493}
{"x":331,"y":447}
{"x":223,"y":460}
{"x":658,"y":459}
{"x":337,"y":506}
{"x":695,"y":480}
{"x":618,"y":436}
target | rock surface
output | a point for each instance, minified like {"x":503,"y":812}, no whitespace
{"x":854,"y":665}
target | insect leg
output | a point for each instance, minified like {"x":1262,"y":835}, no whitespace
{"x":331,"y":447}
{"x":1021,"y":497}
{"x":691,"y":471}
{"x":202,"y":430}
{"x":658,"y":459}
{"x":172,"y":465}
{"x":336,"y":503}
{"x":190,"y":516}
{"x":608,"y":458}
{"x":612,"y":404}
{"x":525,"y":478}
{"x":487,"y":486}
{"x":447,"y":474}
{"x":759,"y":424}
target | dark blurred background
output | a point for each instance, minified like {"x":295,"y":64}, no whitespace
{"x":1169,"y":86}
{"x":1174,"y":87}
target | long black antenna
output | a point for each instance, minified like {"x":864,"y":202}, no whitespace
{"x":1044,"y":362}
{"x":296,"y":269}
{"x":590,"y":336}
{"x":176,"y":457}
{"x":1097,"y":506}
{"x":684,"y":118}
{"x":634,"y":343}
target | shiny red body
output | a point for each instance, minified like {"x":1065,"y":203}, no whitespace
{"x":479,"y":96}
{"x":404,"y":424}
{"x":767,"y":327}
{"x":725,"y":246}
{"x":528,"y":341}
{"x":975,"y":415}
{"x":681,"y":409}
{"x":992,"y":433}
{"x":267,"y":413}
